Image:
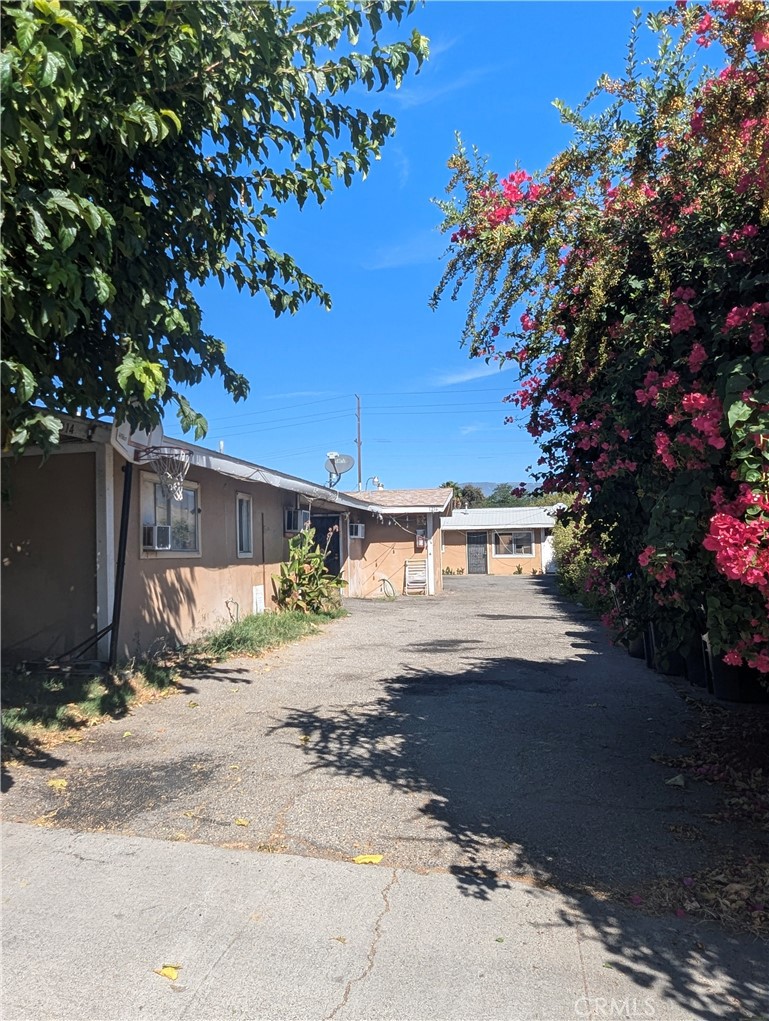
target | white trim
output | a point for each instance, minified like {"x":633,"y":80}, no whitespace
{"x":375,"y":508}
{"x":105,"y":542}
{"x":148,"y":479}
{"x":513,"y":556}
{"x":430,"y":563}
{"x":249,"y":554}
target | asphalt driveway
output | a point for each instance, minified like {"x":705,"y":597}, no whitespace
{"x":490,"y":736}
{"x":492,"y":731}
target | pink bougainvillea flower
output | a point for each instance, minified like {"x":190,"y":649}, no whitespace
{"x":697,"y":358}
{"x":682,"y":318}
{"x":761,"y":37}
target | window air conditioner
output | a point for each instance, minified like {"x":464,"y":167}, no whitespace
{"x":357,"y":531}
{"x":156,"y":536}
{"x":295,"y":520}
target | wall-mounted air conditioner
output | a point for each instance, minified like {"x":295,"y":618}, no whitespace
{"x":357,"y":531}
{"x":295,"y":520}
{"x":156,"y":536}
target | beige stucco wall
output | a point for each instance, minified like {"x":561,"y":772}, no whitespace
{"x":174,"y":598}
{"x":455,"y":554}
{"x":383,"y":554}
{"x":49,"y":555}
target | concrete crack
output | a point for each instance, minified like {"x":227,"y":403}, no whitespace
{"x":372,"y":949}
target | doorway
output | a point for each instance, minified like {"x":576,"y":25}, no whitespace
{"x":323,"y":524}
{"x":477,"y":553}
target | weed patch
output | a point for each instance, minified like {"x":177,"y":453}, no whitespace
{"x":255,"y":634}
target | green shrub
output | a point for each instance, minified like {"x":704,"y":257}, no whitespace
{"x":304,"y":582}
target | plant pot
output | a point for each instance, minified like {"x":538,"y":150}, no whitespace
{"x":671,"y":664}
{"x":635,"y":647}
{"x":648,"y":640}
{"x":696,"y":667}
{"x":735,"y":683}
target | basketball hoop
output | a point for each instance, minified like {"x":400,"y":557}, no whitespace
{"x":170,"y":465}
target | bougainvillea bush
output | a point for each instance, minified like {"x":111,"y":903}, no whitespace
{"x":630,"y":281}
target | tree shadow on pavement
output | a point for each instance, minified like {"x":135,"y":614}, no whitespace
{"x":540,"y":770}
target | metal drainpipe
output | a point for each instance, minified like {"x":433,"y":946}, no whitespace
{"x":120,"y":563}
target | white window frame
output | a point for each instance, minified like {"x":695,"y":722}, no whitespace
{"x":241,"y":553}
{"x":512,"y":532}
{"x":147,"y":500}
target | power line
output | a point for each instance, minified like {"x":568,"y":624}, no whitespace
{"x":340,"y":397}
{"x":300,"y":421}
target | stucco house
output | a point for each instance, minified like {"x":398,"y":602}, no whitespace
{"x":498,"y":540}
{"x":402,"y":545}
{"x":188,"y":565}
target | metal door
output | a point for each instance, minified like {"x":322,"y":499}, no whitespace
{"x":476,"y":553}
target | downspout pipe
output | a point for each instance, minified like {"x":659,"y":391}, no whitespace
{"x":117,"y":601}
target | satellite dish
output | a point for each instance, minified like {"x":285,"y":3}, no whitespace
{"x":338,"y":464}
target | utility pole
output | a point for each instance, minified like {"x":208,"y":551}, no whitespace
{"x":359,"y":443}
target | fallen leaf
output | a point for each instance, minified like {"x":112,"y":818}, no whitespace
{"x":608,"y":964}
{"x":128,"y":733}
{"x":242,"y":822}
{"x":676,"y":781}
{"x":189,"y":814}
{"x":234,"y":766}
{"x":368,"y":859}
{"x":46,"y":819}
{"x":169,"y":971}
{"x":500,"y":939}
{"x":58,"y":785}
{"x":339,"y":939}
{"x":304,"y":739}
{"x":193,"y":705}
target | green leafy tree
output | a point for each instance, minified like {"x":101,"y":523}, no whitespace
{"x":500,"y":496}
{"x":146,"y":150}
{"x":472,"y":495}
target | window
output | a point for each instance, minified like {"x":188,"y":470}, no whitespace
{"x":180,"y":517}
{"x":245,"y":528}
{"x":513,"y":544}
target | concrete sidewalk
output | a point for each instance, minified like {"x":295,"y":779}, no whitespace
{"x":88,"y":918}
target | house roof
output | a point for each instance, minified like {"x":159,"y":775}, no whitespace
{"x":249,"y":471}
{"x":499,"y":517}
{"x":406,"y":501}
{"x":391,"y":501}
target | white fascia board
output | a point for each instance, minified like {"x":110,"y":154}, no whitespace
{"x":397,"y":511}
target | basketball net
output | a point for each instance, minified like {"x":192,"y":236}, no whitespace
{"x":170,"y":464}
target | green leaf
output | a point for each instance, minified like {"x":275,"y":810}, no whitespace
{"x":26,"y":29}
{"x":39,"y":228}
{"x":173,"y":118}
{"x":6,"y":65}
{"x":103,"y":286}
{"x":67,"y":237}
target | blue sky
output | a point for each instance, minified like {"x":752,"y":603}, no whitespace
{"x":429,"y":413}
